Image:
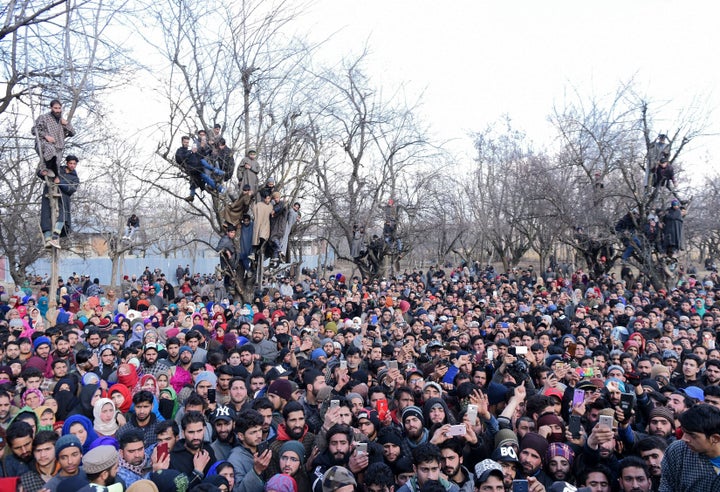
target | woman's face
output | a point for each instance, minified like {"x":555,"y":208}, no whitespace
{"x":150,"y":337}
{"x":51,"y":403}
{"x":47,"y":419}
{"x":95,"y":397}
{"x":32,"y":400}
{"x":117,"y":398}
{"x":79,"y":431}
{"x":162,"y":381}
{"x":234,"y":359}
{"x":229,"y":475}
{"x":149,"y":385}
{"x":107,"y":413}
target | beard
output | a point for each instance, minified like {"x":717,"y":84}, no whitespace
{"x":295,"y":433}
{"x":340,"y":459}
{"x":194,"y":445}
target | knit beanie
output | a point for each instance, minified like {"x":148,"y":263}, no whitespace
{"x":371,"y":415}
{"x":389,"y":436}
{"x":41,"y":341}
{"x":560,"y":449}
{"x":281,"y":388}
{"x":206,"y":376}
{"x":505,"y":437}
{"x":615,"y":367}
{"x":412,"y":410}
{"x":67,"y":441}
{"x":536,"y":442}
{"x":663,"y":412}
{"x":170,"y":480}
{"x":281,"y":483}
{"x":296,"y":447}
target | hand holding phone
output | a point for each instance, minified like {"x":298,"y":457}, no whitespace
{"x":456,"y":430}
{"x":162,"y":451}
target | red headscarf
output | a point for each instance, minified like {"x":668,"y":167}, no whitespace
{"x":123,"y":390}
{"x":129,"y":380}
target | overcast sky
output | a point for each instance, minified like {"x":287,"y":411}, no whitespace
{"x":470,"y":61}
{"x":473,"y":61}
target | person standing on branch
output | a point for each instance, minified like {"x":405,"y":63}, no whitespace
{"x":67,"y":182}
{"x":51,"y":129}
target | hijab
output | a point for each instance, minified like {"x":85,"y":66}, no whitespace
{"x":39,"y":411}
{"x":130,"y":380}
{"x":168,"y":406}
{"x":104,"y":428}
{"x":85,"y":422}
{"x":123,"y":390}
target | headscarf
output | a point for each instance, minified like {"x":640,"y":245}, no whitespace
{"x":104,"y":428}
{"x":86,"y":395}
{"x":66,"y":401}
{"x":145,"y":379}
{"x":39,"y":411}
{"x":168,"y":407}
{"x":123,"y":390}
{"x":85,"y":422}
{"x":449,"y":417}
{"x":71,"y":382}
{"x":35,"y":391}
{"x":131,"y":379}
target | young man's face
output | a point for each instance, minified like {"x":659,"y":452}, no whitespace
{"x":426,"y":471}
{"x":167,"y":437}
{"x":69,"y":459}
{"x":633,"y":479}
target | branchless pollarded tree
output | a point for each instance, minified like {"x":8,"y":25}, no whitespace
{"x":372,"y":167}
{"x":237,"y":65}
{"x":609,"y":149}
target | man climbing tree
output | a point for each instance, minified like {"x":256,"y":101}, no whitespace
{"x":67,"y":182}
{"x":51,"y":129}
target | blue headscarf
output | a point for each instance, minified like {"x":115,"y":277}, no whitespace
{"x":85,"y":422}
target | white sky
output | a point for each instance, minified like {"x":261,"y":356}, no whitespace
{"x":476,"y":60}
{"x":470,"y":62}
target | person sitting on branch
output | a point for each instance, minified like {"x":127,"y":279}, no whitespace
{"x":197,"y":168}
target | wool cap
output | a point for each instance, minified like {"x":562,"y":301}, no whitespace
{"x":41,"y":341}
{"x":67,"y":441}
{"x":208,"y":376}
{"x":536,"y":442}
{"x":560,"y":449}
{"x":100,"y":459}
{"x":296,"y":447}
{"x":506,"y":437}
{"x":412,"y":411}
{"x":663,"y":412}
{"x":281,"y":388}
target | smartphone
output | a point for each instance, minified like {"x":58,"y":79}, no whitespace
{"x":606,"y":420}
{"x":382,"y":409}
{"x":472,"y":414}
{"x":334,"y":403}
{"x":373,"y":320}
{"x":343,"y":364}
{"x":211,"y":395}
{"x":520,"y":486}
{"x":575,"y":426}
{"x":578,"y":397}
{"x":490,"y":354}
{"x":521,"y":350}
{"x":262,"y":447}
{"x":392,"y":364}
{"x":162,"y":451}
{"x":361,"y":448}
{"x":626,"y":403}
{"x":457,"y":430}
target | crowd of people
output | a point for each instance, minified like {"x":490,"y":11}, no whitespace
{"x":457,"y":379}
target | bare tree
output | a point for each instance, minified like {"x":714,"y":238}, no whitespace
{"x":371,"y":154}
{"x":608,"y":153}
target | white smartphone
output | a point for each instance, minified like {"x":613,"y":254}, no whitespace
{"x":456,"y":430}
{"x":343,"y":364}
{"x":334,"y":403}
{"x":472,"y":414}
{"x":606,"y":420}
{"x":521,"y":350}
{"x":361,"y":448}
{"x":490,"y":354}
